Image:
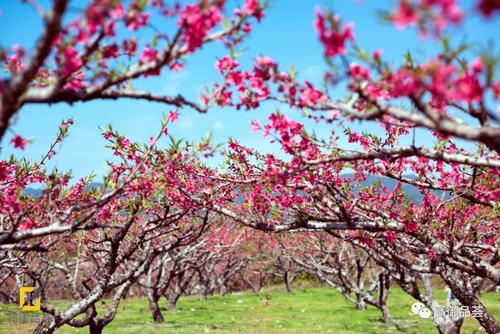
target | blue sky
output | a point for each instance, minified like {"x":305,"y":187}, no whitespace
{"x":286,"y":34}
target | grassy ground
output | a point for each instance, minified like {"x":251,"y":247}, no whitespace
{"x":312,"y":310}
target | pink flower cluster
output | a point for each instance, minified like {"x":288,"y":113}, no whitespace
{"x":225,"y":64}
{"x":198,"y":20}
{"x":70,"y":60}
{"x":332,"y":35}
{"x":435,"y":14}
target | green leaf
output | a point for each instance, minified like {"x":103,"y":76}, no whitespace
{"x":141,"y":4}
{"x":292,"y":72}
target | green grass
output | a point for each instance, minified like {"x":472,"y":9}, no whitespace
{"x":312,"y":310}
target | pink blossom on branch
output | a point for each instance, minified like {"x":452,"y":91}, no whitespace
{"x":198,"y":20}
{"x":149,"y":54}
{"x":225,"y":64}
{"x":252,"y":8}
{"x":332,"y":35}
{"x":427,"y":14}
{"x":405,"y":15}
{"x":468,"y":88}
{"x":173,"y":116}
{"x":19,"y":142}
{"x":70,"y":59}
{"x":488,"y":7}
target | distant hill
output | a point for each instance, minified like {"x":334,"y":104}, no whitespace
{"x":37,"y":192}
{"x":411,"y":191}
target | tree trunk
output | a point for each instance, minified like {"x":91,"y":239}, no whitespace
{"x":486,"y":320}
{"x":224,"y":290}
{"x":450,"y":327}
{"x":95,"y":327}
{"x":383,"y":293}
{"x":360,"y":302}
{"x":155,"y":309}
{"x":262,"y":281}
{"x":171,"y":307}
{"x":41,"y":329}
{"x":204,"y":292}
{"x":288,"y":283}
{"x":386,"y":314}
{"x":172,"y":302}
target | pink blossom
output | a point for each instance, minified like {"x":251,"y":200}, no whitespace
{"x":488,"y":7}
{"x":152,"y":141}
{"x":405,"y":15}
{"x":333,"y":39}
{"x":15,"y":62}
{"x":358,"y":72}
{"x":135,"y":19}
{"x":266,"y":62}
{"x":26,"y":225}
{"x":107,"y":135}
{"x":176,"y":67}
{"x":148,"y":55}
{"x":226,"y":63}
{"x":333,"y":113}
{"x":130,"y":46}
{"x":310,"y":96}
{"x":173,"y":116}
{"x":19,"y":142}
{"x":468,"y":88}
{"x":82,"y":35}
{"x":118,"y":12}
{"x":252,"y":8}
{"x":110,"y":51}
{"x":431,"y":253}
{"x":448,"y":10}
{"x":247,"y":28}
{"x":477,"y":65}
{"x":411,"y":226}
{"x":391,"y":236}
{"x":76,"y":82}
{"x":109,"y":30}
{"x":71,"y":60}
{"x":441,"y":80}
{"x":377,"y":54}
{"x":286,"y":128}
{"x":254,"y":126}
{"x":198,"y":22}
{"x":496,"y":89}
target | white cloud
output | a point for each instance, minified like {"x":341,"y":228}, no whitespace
{"x":185,"y":122}
{"x":175,"y":81}
{"x":218,"y":125}
{"x":313,"y":73}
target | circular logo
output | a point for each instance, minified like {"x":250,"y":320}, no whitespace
{"x":421,"y":310}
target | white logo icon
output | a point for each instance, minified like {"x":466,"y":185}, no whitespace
{"x":421,"y":310}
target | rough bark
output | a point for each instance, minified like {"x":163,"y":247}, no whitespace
{"x":155,"y":309}
{"x":449,"y":328}
{"x":95,"y":327}
{"x":172,"y":302}
{"x":383,"y":293}
{"x":360,"y":302}
{"x":486,"y":320}
{"x":288,"y":281}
